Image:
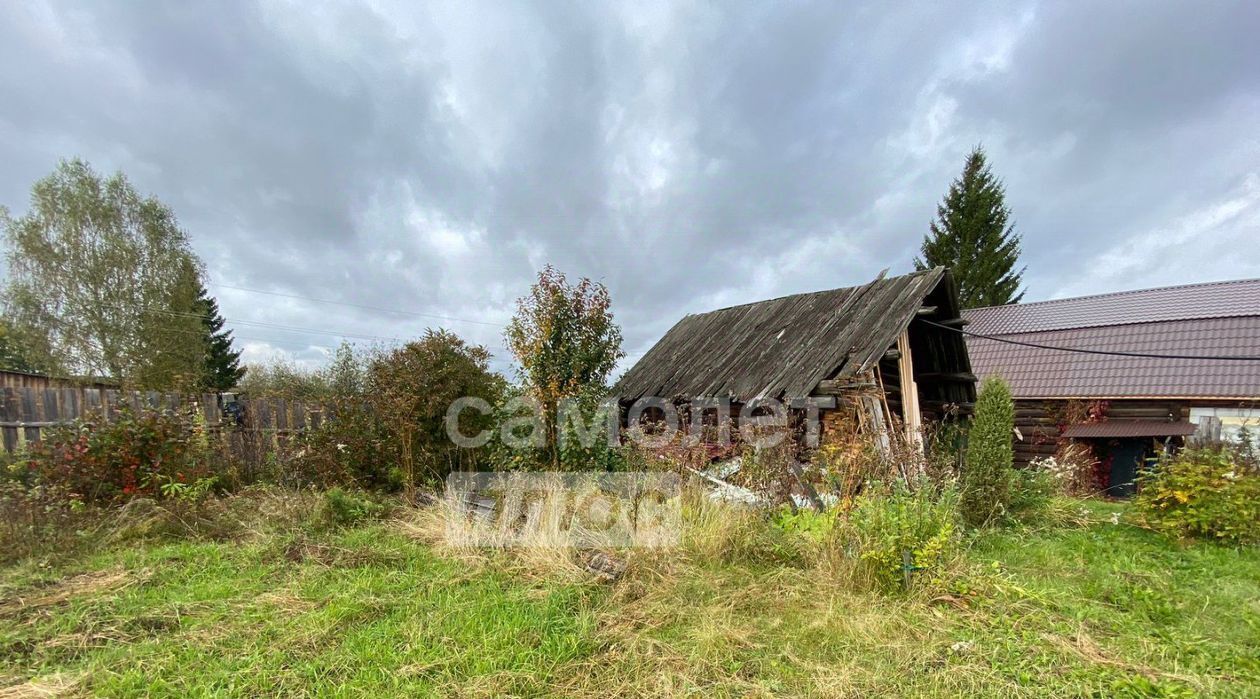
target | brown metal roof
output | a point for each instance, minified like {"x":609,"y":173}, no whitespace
{"x":1044,"y":373}
{"x":1211,"y":300}
{"x":1203,"y":319}
{"x":782,"y":348}
{"x":1137,"y":428}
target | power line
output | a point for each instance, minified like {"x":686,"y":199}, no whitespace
{"x":357,"y":305}
{"x":1081,"y":350}
{"x":277,"y":326}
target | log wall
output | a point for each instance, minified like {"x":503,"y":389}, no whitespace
{"x":1041,"y":422}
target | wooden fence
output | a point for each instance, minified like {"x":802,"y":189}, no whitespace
{"x":26,"y":411}
{"x":25,"y":379}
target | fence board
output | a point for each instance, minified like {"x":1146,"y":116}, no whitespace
{"x":25,"y":412}
{"x":92,"y":401}
{"x":109,"y":403}
{"x":72,"y":401}
{"x":9,"y":416}
{"x":282,"y":414}
{"x":52,"y":412}
{"x":30,"y":413}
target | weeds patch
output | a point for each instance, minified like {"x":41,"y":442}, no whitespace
{"x":385,"y":609}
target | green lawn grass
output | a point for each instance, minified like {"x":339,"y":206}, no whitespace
{"x":1099,"y":610}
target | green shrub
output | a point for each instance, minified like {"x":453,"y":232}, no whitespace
{"x":39,"y":519}
{"x":986,"y":477}
{"x":901,"y":525}
{"x":583,"y":447}
{"x":1205,"y":493}
{"x":412,"y":388}
{"x":134,"y":454}
{"x":809,"y":523}
{"x":343,"y":508}
{"x":350,"y":447}
{"x":1030,"y":492}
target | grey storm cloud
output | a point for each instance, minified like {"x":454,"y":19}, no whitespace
{"x":430,"y":158}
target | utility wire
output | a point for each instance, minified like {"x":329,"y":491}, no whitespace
{"x":276,"y":326}
{"x":1082,"y":350}
{"x":357,"y":305}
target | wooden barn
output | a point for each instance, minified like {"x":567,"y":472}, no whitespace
{"x":860,"y":345}
{"x":1125,"y":408}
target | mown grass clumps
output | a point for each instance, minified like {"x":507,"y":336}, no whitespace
{"x":748,"y":603}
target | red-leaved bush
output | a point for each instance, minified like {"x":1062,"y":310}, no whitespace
{"x":131,"y":455}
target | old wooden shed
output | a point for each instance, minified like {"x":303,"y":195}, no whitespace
{"x":847,"y":343}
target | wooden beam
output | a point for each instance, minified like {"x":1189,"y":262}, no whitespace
{"x":961,"y":376}
{"x":909,"y":392}
{"x":927,"y":310}
{"x":954,"y":322}
{"x":830,"y":387}
{"x":943,"y":403}
{"x":892,"y":355}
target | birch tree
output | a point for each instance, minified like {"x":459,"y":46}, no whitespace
{"x":102,"y":282}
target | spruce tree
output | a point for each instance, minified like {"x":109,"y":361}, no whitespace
{"x":973,"y":237}
{"x":223,"y":368}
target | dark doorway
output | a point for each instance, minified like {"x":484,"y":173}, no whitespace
{"x":1128,"y":456}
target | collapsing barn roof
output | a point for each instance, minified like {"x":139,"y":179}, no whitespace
{"x":783,"y":348}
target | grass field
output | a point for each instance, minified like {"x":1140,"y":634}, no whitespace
{"x":1097,"y":609}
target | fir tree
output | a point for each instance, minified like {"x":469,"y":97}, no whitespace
{"x":223,"y":368}
{"x":972,"y":236}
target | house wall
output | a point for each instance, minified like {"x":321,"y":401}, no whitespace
{"x":1042,"y":421}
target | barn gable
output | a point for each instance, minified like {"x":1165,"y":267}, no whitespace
{"x":787,"y":347}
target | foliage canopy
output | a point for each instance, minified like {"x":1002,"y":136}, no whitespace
{"x":103,"y":282}
{"x":566,"y":342}
{"x":412,"y":387}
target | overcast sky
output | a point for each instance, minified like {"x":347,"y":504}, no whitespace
{"x":429,"y":157}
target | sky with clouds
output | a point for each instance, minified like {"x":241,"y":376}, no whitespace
{"x":419,"y":162}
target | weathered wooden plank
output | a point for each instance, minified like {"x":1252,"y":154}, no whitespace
{"x":92,"y":402}
{"x":282,"y":414}
{"x":52,"y":405}
{"x":262,"y":413}
{"x":31,"y":413}
{"x":72,"y":403}
{"x":962,"y":376}
{"x":112,"y":402}
{"x":835,"y":387}
{"x":910,"y":395}
{"x":9,"y":415}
